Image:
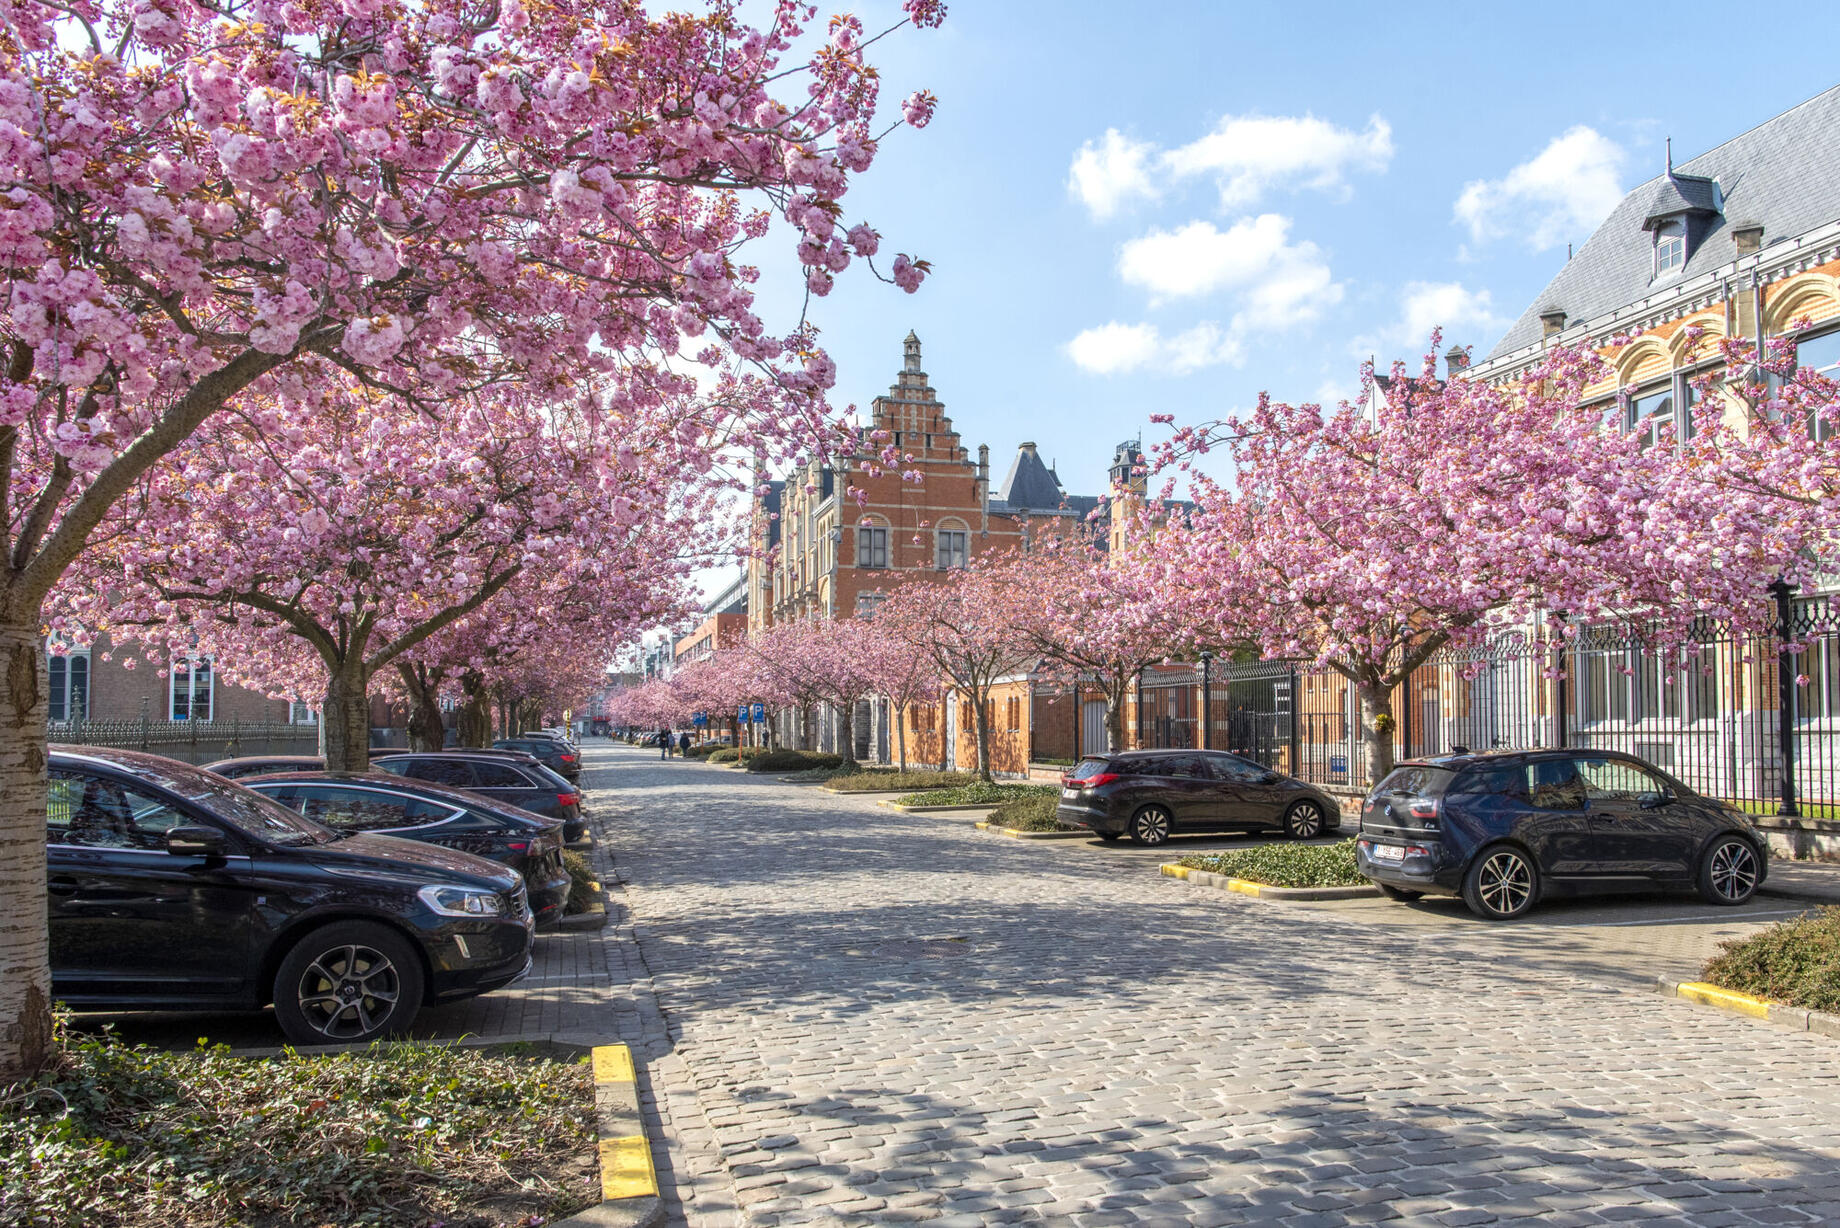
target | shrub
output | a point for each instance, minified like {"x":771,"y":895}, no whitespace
{"x":878,"y":780}
{"x":1796,"y":962}
{"x":1033,"y":813}
{"x":791,"y":761}
{"x":119,"y":1134}
{"x":976,"y":794}
{"x":581,"y":883}
{"x":1285,"y":865}
{"x":705,"y":750}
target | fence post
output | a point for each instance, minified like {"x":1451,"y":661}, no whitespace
{"x":1296,"y":766}
{"x":144,"y":702}
{"x":1562,"y":699}
{"x":1405,"y":719}
{"x":1785,"y":698}
{"x":1140,"y":711}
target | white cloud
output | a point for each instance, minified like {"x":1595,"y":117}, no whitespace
{"x":1111,"y":174}
{"x":1119,"y":349}
{"x":1247,"y":155}
{"x":1280,"y":283}
{"x":1467,"y":317}
{"x":1250,"y":155}
{"x":1563,"y":192}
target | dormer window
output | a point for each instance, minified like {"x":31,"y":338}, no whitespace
{"x":1670,"y":247}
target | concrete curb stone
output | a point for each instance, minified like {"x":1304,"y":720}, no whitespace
{"x":937,"y":809}
{"x":1792,"y":1017}
{"x":629,"y":1184}
{"x":1262,"y":891}
{"x":1013,"y":834}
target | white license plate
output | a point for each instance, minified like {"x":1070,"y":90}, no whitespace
{"x":1389,"y":852}
{"x":1070,"y":794}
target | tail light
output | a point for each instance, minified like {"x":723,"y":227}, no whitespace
{"x":1424,"y":809}
{"x":568,"y":799}
{"x":567,"y":758}
{"x":1093,"y":782}
{"x":517,"y":846}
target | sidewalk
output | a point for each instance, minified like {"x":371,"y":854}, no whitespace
{"x":1803,"y":880}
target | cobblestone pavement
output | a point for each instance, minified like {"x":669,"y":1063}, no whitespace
{"x":850,"y":1015}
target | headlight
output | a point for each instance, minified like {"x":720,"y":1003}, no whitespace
{"x":462,"y":901}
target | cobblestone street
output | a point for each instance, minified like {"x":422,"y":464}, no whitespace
{"x":852,"y":1015}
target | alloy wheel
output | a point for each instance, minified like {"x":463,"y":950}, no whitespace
{"x":1304,"y":821}
{"x":1733,"y":871}
{"x":1505,"y":883}
{"x":1151,"y":826}
{"x":347,"y":992}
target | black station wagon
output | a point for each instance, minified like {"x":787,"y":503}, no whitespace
{"x":1503,"y":828}
{"x":1150,"y":795}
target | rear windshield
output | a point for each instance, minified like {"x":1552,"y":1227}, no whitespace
{"x":1086,"y":769}
{"x":1415,"y":780}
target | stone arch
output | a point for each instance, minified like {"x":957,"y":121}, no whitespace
{"x":1637,"y":362}
{"x":1815,"y":295}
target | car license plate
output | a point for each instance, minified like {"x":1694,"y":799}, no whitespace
{"x":1389,"y":852}
{"x":1070,"y":793}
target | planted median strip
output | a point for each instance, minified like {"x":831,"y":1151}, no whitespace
{"x":1278,"y":871}
{"x":1788,"y":974}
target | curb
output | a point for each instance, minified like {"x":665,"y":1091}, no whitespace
{"x":1793,"y":1017}
{"x":1013,"y":834}
{"x":589,"y":918}
{"x":629,"y":1184}
{"x":1202,"y":878}
{"x":940,"y":809}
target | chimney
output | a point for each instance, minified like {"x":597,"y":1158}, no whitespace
{"x":1456,"y":361}
{"x":984,"y":462}
{"x":1748,"y":236}
{"x":1552,"y":322}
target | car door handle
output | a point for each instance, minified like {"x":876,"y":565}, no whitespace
{"x":62,"y":885}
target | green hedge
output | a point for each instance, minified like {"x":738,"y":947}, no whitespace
{"x":791,"y":761}
{"x":877,"y":780}
{"x":1032,"y":813}
{"x":976,"y":795}
{"x":1796,"y":962}
{"x":706,"y":750}
{"x":1285,"y":865}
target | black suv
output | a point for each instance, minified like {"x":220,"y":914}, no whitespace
{"x":1503,"y":828}
{"x":172,"y":888}
{"x":1152,"y":794}
{"x":505,"y":775}
{"x":553,"y":753}
{"x":392,"y":806}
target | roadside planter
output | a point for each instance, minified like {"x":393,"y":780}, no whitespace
{"x":1278,"y":872}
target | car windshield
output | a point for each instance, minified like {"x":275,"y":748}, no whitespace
{"x":243,"y":808}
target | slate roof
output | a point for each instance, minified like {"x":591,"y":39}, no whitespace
{"x":1675,"y":194}
{"x":1030,"y":483}
{"x":1782,"y":174}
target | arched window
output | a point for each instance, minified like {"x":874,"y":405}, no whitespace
{"x":69,"y":676}
{"x":1670,"y":247}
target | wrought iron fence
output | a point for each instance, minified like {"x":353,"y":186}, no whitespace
{"x":193,"y":741}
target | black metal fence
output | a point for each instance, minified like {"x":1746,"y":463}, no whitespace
{"x":1754,"y":719}
{"x":193,"y":741}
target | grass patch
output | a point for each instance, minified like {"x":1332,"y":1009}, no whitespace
{"x":114,"y":1135}
{"x":1285,"y":865}
{"x":976,"y":794}
{"x":1796,"y":962}
{"x":1034,"y":813}
{"x":877,"y":780}
{"x":1808,"y":810}
{"x":729,"y":754}
{"x":582,"y":894}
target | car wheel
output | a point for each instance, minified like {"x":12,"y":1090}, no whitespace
{"x":1728,"y":871}
{"x":1501,"y":883}
{"x":350,"y":981}
{"x":1398,"y":893}
{"x":1150,"y":826}
{"x":1110,"y":836}
{"x":1304,"y":820}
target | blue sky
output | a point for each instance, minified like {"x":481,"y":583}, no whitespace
{"x":1266,"y":193}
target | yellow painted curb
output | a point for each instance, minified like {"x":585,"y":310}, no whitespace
{"x":626,"y":1168}
{"x":626,"y":1159}
{"x":1712,"y":995}
{"x":1172,"y":870}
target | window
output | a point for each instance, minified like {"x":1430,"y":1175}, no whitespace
{"x":1651,"y":412}
{"x":362,"y":809}
{"x":1617,"y":781}
{"x":871,"y":547}
{"x":1820,"y":355}
{"x":69,"y":686}
{"x":1820,"y":664}
{"x":1183,"y":766}
{"x":498,"y":776}
{"x":1553,"y":784}
{"x":954,"y":548}
{"x":1670,"y":247}
{"x":1234,"y":769}
{"x":1628,"y":684}
{"x":302,"y":714}
{"x":1012,"y":708}
{"x":190,"y":688}
{"x":96,"y":812}
{"x":435,"y":771}
{"x":868,"y":603}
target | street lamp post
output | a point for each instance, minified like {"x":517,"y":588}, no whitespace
{"x":1207,"y":659}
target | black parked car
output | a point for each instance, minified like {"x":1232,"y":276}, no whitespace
{"x":503,"y":775}
{"x":1151,"y":794}
{"x":173,"y":888}
{"x":258,"y":765}
{"x":1504,"y":828}
{"x":391,"y":806}
{"x":553,"y":753}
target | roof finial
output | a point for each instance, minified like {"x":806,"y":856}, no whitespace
{"x":1670,"y":155}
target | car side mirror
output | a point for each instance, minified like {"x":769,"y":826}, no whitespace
{"x":1654,"y":801}
{"x":1270,"y":778}
{"x":195,"y":842}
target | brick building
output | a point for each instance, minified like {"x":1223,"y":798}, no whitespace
{"x":97,"y":684}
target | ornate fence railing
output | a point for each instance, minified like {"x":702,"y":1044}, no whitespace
{"x":193,"y":741}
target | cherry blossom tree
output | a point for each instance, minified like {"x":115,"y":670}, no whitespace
{"x":961,"y":624}
{"x":208,"y":201}
{"x":1367,"y":541}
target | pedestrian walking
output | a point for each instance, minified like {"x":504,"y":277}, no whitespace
{"x":664,"y":743}
{"x":683,"y":744}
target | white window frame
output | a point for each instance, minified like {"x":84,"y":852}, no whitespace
{"x":302,"y":713}
{"x":191,"y":679}
{"x":58,"y":713}
{"x":1670,"y":237}
{"x":872,"y":547}
{"x":952,"y":549}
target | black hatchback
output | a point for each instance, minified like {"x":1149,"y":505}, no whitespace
{"x":503,"y":775}
{"x":392,"y":806}
{"x":1150,"y":795}
{"x":171,"y":888}
{"x":1504,"y":828}
{"x":553,"y":753}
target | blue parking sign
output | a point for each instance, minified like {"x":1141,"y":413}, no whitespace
{"x":741,"y":713}
{"x":760,"y":713}
{"x":700,"y":719}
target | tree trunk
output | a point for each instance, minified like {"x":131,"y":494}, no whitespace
{"x":900,"y":733}
{"x":346,"y":721}
{"x":1377,"y":729}
{"x":848,"y":714}
{"x":25,"y":976}
{"x":980,"y":720}
{"x":427,"y":724}
{"x":474,"y":722}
